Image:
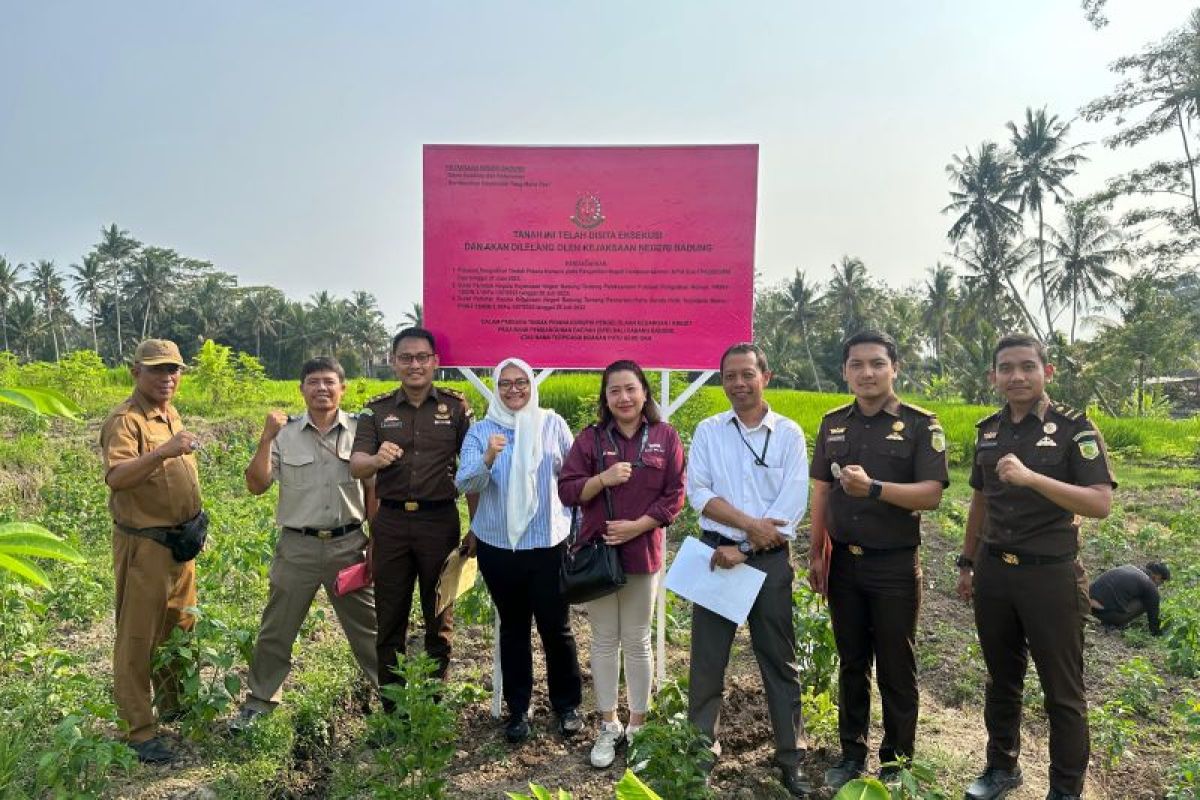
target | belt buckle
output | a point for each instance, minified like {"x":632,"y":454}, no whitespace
{"x":854,"y":549}
{"x":1010,"y":558}
{"x":411,"y":505}
{"x":326,"y":534}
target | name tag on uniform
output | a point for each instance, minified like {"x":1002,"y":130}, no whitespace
{"x":653,"y":448}
{"x":985,"y":444}
{"x":391,"y":421}
{"x":838,"y":438}
{"x":440,"y":421}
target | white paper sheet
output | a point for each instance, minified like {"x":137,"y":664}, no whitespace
{"x":728,"y":592}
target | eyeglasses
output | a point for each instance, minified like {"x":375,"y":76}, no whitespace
{"x":520,"y":384}
{"x":409,"y":358}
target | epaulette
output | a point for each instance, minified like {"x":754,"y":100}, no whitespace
{"x":1066,"y":411}
{"x":455,"y":393}
{"x":381,"y":396}
{"x":839,"y":408}
{"x":988,"y":418}
{"x":925,"y":412}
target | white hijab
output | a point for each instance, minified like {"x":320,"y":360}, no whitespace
{"x":526,"y":448}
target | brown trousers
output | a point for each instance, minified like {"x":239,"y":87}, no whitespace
{"x":152,"y":592}
{"x":1038,"y":610}
{"x":410,"y":548}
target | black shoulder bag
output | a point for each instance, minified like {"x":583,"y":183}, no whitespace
{"x":593,"y":569}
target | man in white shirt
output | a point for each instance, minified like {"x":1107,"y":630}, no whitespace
{"x":748,"y":480}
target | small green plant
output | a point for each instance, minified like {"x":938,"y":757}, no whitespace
{"x":669,"y":753}
{"x":537,"y":792}
{"x":916,"y":780}
{"x":820,"y":715}
{"x":1183,"y":780}
{"x":815,"y":645}
{"x":1140,"y":685}
{"x":203,"y":658}
{"x":1114,"y":732}
{"x":863,"y":789}
{"x":80,"y":759}
{"x":1182,"y":634}
{"x":631,"y":787}
{"x":417,"y":735}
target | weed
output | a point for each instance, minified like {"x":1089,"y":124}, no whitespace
{"x":820,"y":715}
{"x":1140,"y":685}
{"x":669,"y":753}
{"x":80,"y":759}
{"x":1114,"y":731}
{"x":815,"y":645}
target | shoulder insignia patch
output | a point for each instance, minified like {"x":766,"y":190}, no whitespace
{"x":839,"y":408}
{"x":382,"y":396}
{"x":937,"y":439}
{"x":455,"y":393}
{"x":1089,"y":449}
{"x":922,"y":411}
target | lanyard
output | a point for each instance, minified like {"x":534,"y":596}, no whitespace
{"x":760,"y":459}
{"x":641,"y":448}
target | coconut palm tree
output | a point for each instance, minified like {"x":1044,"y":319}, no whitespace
{"x":47,"y":284}
{"x":937,"y":307}
{"x":115,"y":249}
{"x":26,"y":323}
{"x":10,"y":286}
{"x":991,"y":269}
{"x":802,"y":301}
{"x":260,"y":310}
{"x":1080,"y":271}
{"x":982,"y":194}
{"x":89,"y":278}
{"x":848,"y":293}
{"x":1042,"y":163}
{"x":415,"y":316}
{"x":365,"y":324}
{"x":150,"y":283}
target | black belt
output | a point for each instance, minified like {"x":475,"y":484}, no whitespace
{"x":1018,"y":559}
{"x":859,"y":551}
{"x":415,"y":505}
{"x":326,"y":533}
{"x":723,"y":541}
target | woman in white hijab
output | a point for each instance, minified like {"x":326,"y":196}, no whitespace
{"x":512,"y":458}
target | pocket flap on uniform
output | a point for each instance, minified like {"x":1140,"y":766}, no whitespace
{"x":654,"y":461}
{"x":297,"y":459}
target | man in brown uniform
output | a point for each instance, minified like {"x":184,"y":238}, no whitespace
{"x":877,"y":464}
{"x":151,"y":472}
{"x":1037,"y":466}
{"x":409,"y":439}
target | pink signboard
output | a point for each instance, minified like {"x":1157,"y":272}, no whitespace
{"x":574,"y":257}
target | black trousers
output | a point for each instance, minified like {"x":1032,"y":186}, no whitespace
{"x":873,"y":603}
{"x":1038,"y":610}
{"x":524,"y":587}
{"x":1120,"y":617}
{"x":410,"y":548}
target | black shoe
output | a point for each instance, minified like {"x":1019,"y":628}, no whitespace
{"x":1055,"y":794}
{"x":154,"y":751}
{"x":889,"y":775}
{"x":516,"y":730}
{"x":794,"y":781}
{"x":994,"y":784}
{"x":570,"y":723}
{"x":843,"y":772}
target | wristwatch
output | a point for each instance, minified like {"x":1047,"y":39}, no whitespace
{"x":876,"y":489}
{"x":962,"y":562}
{"x":744,"y":547}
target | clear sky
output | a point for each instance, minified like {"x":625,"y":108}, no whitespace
{"x":282,"y":141}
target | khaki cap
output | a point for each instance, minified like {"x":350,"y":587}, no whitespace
{"x":157,"y":351}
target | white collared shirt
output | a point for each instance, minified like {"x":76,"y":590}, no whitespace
{"x":721,"y":464}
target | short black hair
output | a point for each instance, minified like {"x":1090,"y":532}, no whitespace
{"x":322,"y":364}
{"x":871,"y":337}
{"x":414,"y":333}
{"x":742,"y":348}
{"x":649,"y":410}
{"x":1160,"y":569}
{"x":1020,"y":340}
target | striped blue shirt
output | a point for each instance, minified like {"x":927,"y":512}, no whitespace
{"x":551,"y":522}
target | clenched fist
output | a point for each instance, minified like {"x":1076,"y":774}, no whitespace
{"x":276,"y":419}
{"x":1010,"y":470}
{"x":496,"y":444}
{"x":616,"y":474}
{"x":389,"y":453}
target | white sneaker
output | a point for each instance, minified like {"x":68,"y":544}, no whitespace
{"x":604,"y":751}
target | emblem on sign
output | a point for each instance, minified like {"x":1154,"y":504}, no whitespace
{"x":587,"y":211}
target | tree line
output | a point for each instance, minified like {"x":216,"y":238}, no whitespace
{"x":1023,"y":253}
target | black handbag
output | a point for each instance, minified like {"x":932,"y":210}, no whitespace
{"x":593,"y":569}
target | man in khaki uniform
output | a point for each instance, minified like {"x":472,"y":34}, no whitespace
{"x":151,"y":472}
{"x":320,"y":512}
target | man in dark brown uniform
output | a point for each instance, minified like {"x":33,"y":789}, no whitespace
{"x":409,"y":440}
{"x":877,"y":464}
{"x":1037,"y":466}
{"x":151,"y":474}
